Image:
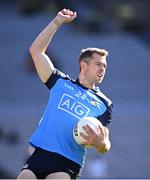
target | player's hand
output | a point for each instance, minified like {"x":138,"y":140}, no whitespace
{"x":65,"y":16}
{"x":96,"y":139}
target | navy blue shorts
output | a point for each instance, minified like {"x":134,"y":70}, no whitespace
{"x":43,"y":163}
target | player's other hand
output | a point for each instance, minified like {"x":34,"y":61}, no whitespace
{"x":99,"y":139}
{"x":65,"y":16}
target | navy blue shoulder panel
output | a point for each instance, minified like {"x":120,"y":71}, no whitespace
{"x":54,"y":77}
{"x":104,"y":98}
{"x":105,"y":118}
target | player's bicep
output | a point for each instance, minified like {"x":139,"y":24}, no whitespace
{"x":43,"y":65}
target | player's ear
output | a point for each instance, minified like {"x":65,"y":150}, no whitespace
{"x":83,"y":66}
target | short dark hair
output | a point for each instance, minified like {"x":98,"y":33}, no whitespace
{"x":88,"y":52}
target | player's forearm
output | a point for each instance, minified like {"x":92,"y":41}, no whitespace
{"x":44,"y":38}
{"x":104,"y":147}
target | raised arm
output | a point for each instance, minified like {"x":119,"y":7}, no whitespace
{"x":43,"y":64}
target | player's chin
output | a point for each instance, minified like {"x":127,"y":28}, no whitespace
{"x":98,"y":81}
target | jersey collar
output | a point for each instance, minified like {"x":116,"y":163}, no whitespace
{"x":96,"y":89}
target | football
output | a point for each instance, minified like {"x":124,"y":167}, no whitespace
{"x":91,"y":121}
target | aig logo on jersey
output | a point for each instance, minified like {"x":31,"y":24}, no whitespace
{"x":73,"y":107}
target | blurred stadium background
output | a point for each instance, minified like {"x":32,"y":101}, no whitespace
{"x":120,"y":26}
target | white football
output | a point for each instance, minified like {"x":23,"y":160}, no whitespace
{"x":91,"y":121}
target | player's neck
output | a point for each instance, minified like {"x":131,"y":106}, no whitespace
{"x":86,"y":82}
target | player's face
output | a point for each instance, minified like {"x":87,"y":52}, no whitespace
{"x":95,"y":69}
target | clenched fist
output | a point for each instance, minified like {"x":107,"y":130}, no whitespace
{"x":64,"y":16}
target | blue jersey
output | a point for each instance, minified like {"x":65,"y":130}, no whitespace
{"x":69,"y":101}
